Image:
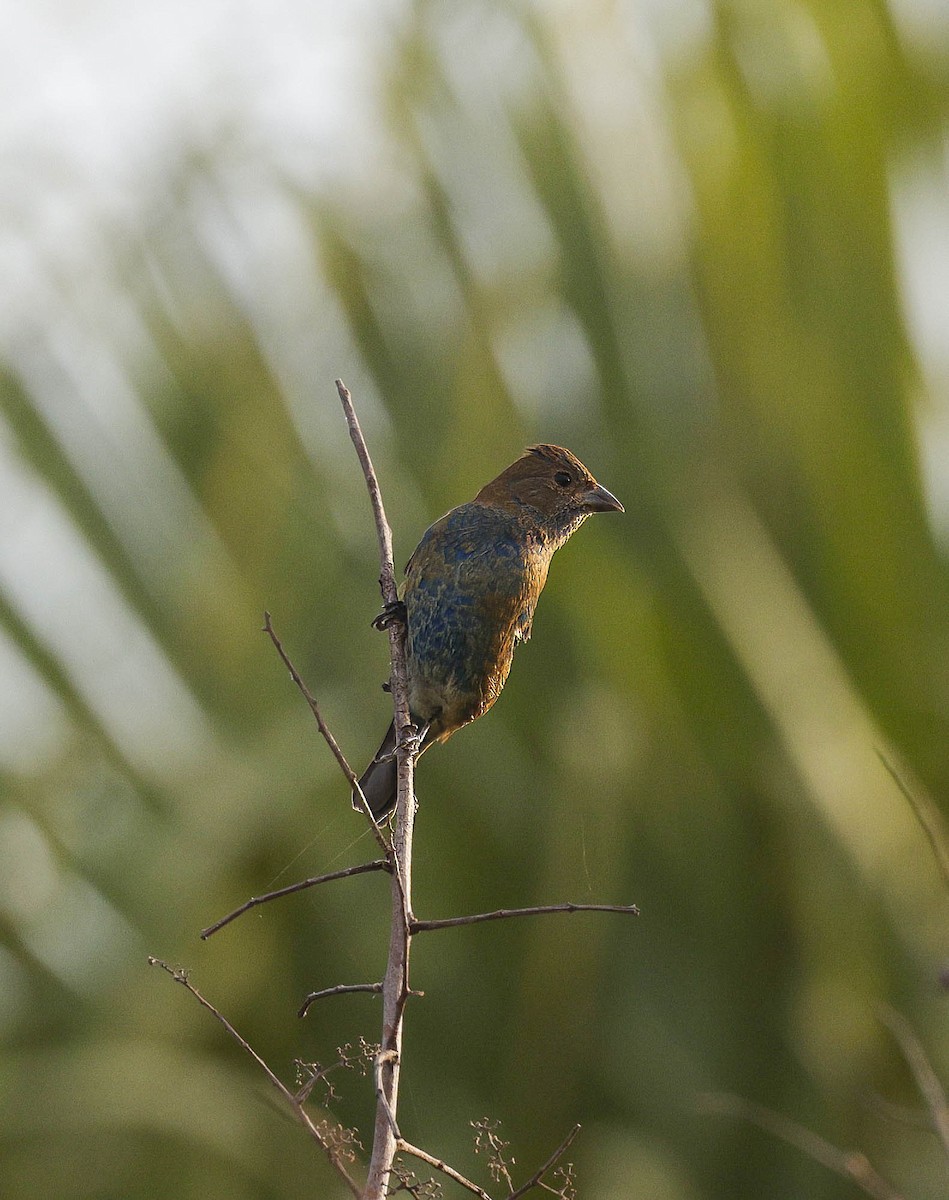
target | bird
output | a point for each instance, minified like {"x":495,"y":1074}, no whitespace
{"x":469,"y":594}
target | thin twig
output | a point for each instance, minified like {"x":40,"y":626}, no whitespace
{"x":852,"y":1165}
{"x":180,"y":976}
{"x":926,"y":1078}
{"x":542,"y":1171}
{"x":405,"y":1147}
{"x":379,"y":864}
{"x":341,"y":989}
{"x":927,"y":814}
{"x":383,"y":530}
{"x":327,"y":735}
{"x":502,"y":914}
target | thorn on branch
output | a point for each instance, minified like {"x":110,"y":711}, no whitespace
{"x":341,"y":989}
{"x":503,"y":914}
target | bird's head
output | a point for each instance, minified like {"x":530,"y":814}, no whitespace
{"x":553,"y":483}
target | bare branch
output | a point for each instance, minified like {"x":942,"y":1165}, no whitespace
{"x":927,"y":814}
{"x":180,"y":976}
{"x":851,"y":1165}
{"x":926,"y":1079}
{"x":405,"y":1147}
{"x":395,"y":989}
{"x":335,"y":1141}
{"x":327,"y":734}
{"x":551,"y":1162}
{"x":341,"y":989}
{"x":387,"y":582}
{"x":311,"y":701}
{"x":503,"y":914}
{"x":379,"y":864}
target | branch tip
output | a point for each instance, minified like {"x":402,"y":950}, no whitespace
{"x":504,"y":914}
{"x":378,"y":864}
{"x":328,"y":1148}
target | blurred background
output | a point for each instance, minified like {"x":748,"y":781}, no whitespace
{"x":706,"y":246}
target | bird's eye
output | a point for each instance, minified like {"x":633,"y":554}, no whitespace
{"x":563,"y":478}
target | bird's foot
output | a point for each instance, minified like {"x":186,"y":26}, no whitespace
{"x":413,"y":736}
{"x":392,"y":613}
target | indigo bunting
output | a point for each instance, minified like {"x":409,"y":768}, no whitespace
{"x":469,"y":595}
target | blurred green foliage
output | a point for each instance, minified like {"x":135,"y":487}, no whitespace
{"x":676,"y":257}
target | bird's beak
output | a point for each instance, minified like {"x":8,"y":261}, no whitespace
{"x":598,"y":499}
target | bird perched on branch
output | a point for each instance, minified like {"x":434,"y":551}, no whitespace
{"x":469,"y":595}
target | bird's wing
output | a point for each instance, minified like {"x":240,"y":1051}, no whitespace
{"x":461,"y":536}
{"x":474,"y":556}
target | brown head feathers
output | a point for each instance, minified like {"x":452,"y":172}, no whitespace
{"x":552,"y":481}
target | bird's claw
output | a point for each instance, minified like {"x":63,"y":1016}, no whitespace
{"x":413,"y":736}
{"x":392,"y":613}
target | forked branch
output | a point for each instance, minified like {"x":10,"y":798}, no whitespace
{"x":295,"y":1104}
{"x":439,"y":1164}
{"x":386,"y":1057}
{"x":549,"y":1165}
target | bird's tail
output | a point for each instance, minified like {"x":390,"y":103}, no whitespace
{"x":379,"y":781}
